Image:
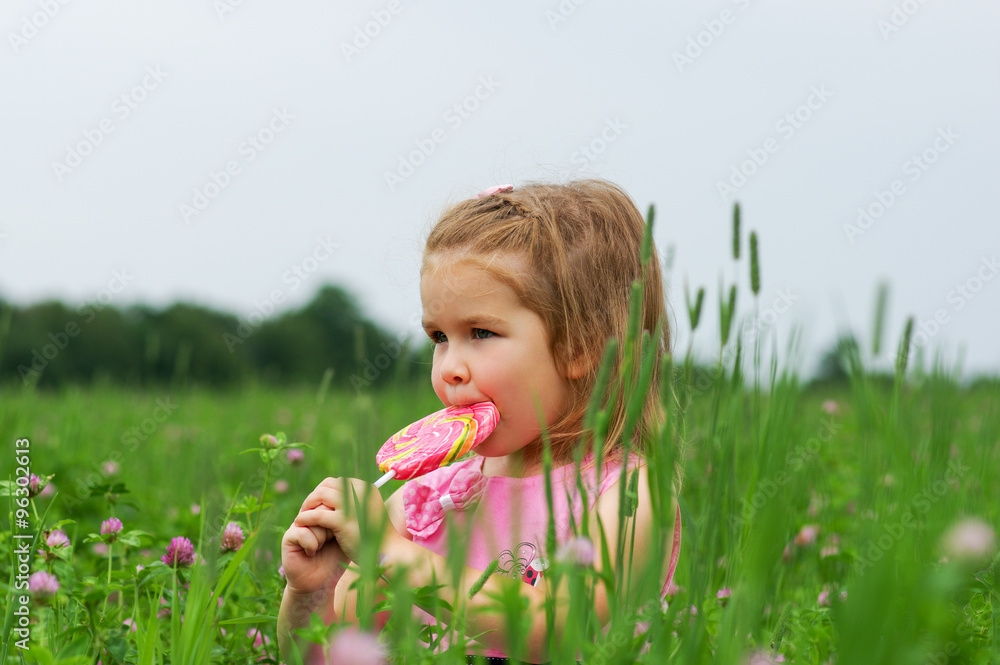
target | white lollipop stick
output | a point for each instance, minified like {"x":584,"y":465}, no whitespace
{"x":389,"y":475}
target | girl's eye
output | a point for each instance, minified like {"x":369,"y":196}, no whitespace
{"x":479,"y":333}
{"x":438,"y":337}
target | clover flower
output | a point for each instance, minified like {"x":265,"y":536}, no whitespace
{"x":578,"y":551}
{"x":260,"y":639}
{"x":354,"y":647}
{"x":232,"y":538}
{"x":57,"y":539}
{"x":36,"y":484}
{"x":180,"y":553}
{"x":971,"y":540}
{"x":43,"y":584}
{"x":761,"y":658}
{"x":807,"y":535}
{"x":110,"y":528}
{"x":295,"y":456}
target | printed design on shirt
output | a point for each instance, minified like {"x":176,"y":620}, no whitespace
{"x":522,"y":563}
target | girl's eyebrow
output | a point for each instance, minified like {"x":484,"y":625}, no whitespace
{"x":482,"y":321}
{"x":474,"y":321}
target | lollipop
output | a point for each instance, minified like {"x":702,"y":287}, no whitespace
{"x":435,"y":441}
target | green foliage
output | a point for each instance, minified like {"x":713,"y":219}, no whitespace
{"x":51,"y":345}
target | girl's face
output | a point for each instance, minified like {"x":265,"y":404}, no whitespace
{"x":490,"y":348}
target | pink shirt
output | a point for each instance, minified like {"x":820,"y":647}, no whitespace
{"x":505,"y":518}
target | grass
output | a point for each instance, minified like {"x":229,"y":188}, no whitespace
{"x":823,"y":510}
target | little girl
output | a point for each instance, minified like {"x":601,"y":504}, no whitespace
{"x":521,"y":288}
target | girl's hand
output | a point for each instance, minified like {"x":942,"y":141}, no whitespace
{"x":312,"y":559}
{"x":312,"y":562}
{"x":346,"y":509}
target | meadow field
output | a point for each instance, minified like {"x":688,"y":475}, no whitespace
{"x":825,"y":513}
{"x":848,"y":522}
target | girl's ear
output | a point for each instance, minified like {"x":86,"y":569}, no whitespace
{"x":578,"y":367}
{"x":574,"y":366}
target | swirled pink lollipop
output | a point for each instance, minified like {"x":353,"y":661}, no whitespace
{"x":435,"y":441}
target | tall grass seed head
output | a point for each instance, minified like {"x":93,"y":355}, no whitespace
{"x":736,"y":231}
{"x":754,"y":265}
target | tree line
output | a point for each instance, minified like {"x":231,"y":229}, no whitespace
{"x":52,"y":345}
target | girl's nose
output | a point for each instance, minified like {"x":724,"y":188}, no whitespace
{"x":454,"y":368}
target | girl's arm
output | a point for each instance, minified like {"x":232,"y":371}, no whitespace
{"x":424,"y":568}
{"x":318,"y":581}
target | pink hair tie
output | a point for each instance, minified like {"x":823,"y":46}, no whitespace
{"x":495,"y":189}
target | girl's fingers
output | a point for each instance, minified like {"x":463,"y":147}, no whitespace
{"x":327,"y":493}
{"x":303,"y":537}
{"x":330,"y":493}
{"x":320,"y":517}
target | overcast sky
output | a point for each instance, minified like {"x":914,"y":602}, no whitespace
{"x":229,"y":152}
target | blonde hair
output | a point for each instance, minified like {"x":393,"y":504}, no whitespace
{"x":581,"y":245}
